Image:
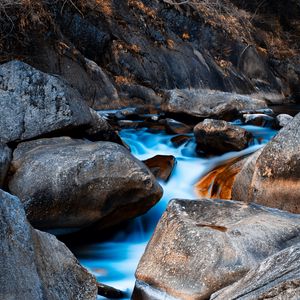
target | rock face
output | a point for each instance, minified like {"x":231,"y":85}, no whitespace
{"x":273,"y":176}
{"x":34,"y":103}
{"x":5,"y":158}
{"x":65,"y":183}
{"x":216,"y":136}
{"x":277,"y":277}
{"x":207,"y":104}
{"x":35,"y":265}
{"x":201,"y":246}
{"x":83,"y":74}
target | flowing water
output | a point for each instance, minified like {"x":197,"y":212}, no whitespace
{"x":114,"y":262}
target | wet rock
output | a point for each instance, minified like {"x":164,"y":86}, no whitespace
{"x":273,"y":176}
{"x":5,"y":159}
{"x":258,"y":119}
{"x":34,"y":103}
{"x":216,"y":136}
{"x":35,"y":265}
{"x":277,"y":277}
{"x":282,"y":120}
{"x":208,"y":103}
{"x":100,"y":130}
{"x":217,"y":184}
{"x":161,"y":166}
{"x":176,"y":127}
{"x":201,"y":246}
{"x":179,"y":140}
{"x":65,"y":183}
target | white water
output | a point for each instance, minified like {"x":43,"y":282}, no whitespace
{"x":114,"y":262}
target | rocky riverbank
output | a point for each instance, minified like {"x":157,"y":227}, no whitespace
{"x":180,"y":68}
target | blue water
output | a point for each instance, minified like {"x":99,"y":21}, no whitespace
{"x":114,"y":262}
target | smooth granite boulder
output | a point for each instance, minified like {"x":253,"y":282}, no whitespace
{"x":209,"y":103}
{"x":201,"y":246}
{"x":217,"y":136}
{"x":66,"y":183}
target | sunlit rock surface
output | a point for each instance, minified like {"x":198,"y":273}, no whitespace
{"x":201,"y":246}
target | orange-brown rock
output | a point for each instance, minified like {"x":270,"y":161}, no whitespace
{"x":217,"y":184}
{"x":161,"y":166}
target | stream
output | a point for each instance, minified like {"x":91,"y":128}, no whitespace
{"x":114,"y":262}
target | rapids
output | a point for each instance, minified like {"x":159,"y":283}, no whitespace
{"x":114,"y":261}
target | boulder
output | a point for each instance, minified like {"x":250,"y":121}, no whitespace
{"x":201,"y":246}
{"x":216,"y":136}
{"x":161,"y":166}
{"x":209,"y":103}
{"x":277,"y":277}
{"x":34,"y":103}
{"x":282,"y":120}
{"x":66,"y":184}
{"x":272,"y":177}
{"x":34,"y":264}
{"x":5,"y":158}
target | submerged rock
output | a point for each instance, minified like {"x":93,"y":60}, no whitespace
{"x":34,"y":264}
{"x":66,"y":183}
{"x":272,"y":177}
{"x":161,"y":166}
{"x":277,"y":277}
{"x":216,"y":136}
{"x":201,"y":246}
{"x":34,"y":103}
{"x":208,"y":103}
{"x":5,"y":159}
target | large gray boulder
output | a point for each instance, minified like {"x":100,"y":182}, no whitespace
{"x":201,"y":246}
{"x":34,"y":103}
{"x":34,"y":264}
{"x":217,"y":136}
{"x":66,"y":183}
{"x":277,"y":277}
{"x":5,"y":158}
{"x":209,"y":103}
{"x":273,"y":177}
